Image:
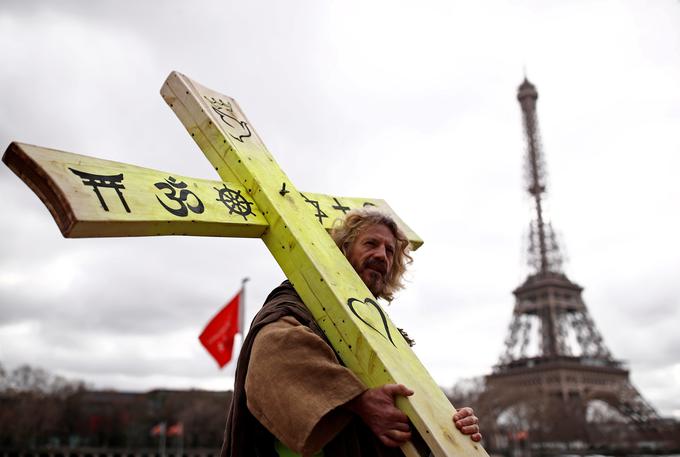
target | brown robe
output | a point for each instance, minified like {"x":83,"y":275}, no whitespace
{"x":291,"y":386}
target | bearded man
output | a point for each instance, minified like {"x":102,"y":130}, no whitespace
{"x":293,"y":396}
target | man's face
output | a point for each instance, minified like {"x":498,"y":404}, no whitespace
{"x":372,"y":255}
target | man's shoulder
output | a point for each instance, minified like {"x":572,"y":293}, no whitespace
{"x":285,"y":292}
{"x":283,"y":301}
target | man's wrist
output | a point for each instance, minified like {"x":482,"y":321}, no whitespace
{"x":355,"y":405}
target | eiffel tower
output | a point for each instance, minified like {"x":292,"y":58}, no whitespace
{"x":555,"y":362}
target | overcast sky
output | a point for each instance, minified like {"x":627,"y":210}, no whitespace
{"x":410,"y":102}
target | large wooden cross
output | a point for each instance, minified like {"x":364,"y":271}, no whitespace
{"x":90,"y":197}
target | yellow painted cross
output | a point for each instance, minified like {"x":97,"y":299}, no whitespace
{"x":95,"y":198}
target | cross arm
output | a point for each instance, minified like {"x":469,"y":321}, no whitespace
{"x":90,"y":197}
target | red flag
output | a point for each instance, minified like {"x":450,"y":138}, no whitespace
{"x":177,"y":429}
{"x":158,"y":429}
{"x":522,"y":435}
{"x":218,"y":335}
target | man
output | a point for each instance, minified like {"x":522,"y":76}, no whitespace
{"x":292,"y":396}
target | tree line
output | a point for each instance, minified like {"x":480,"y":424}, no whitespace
{"x":39,"y":410}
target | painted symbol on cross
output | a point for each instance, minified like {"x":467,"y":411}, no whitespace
{"x":106,"y":181}
{"x":362,"y":315}
{"x":238,"y":129}
{"x":340,"y":207}
{"x":170,"y":187}
{"x":234,"y":201}
{"x":320,"y":214}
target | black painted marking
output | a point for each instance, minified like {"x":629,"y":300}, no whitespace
{"x":107,"y":181}
{"x":170,"y":186}
{"x":368,"y":204}
{"x":237,"y":129}
{"x":320,"y":214}
{"x":369,"y":301}
{"x":340,"y":206}
{"x":234,"y":201}
{"x":283,"y":190}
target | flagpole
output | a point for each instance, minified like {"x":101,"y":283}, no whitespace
{"x":161,"y":441}
{"x":242,"y":310}
{"x":181,"y":441}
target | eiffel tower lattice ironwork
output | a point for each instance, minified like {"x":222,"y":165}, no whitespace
{"x":554,"y":355}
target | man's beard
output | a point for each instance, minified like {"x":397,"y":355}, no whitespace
{"x":374,"y":275}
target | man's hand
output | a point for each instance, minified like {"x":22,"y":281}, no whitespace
{"x":467,"y":423}
{"x":376,"y":408}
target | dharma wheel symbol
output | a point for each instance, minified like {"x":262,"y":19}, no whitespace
{"x":234,"y":201}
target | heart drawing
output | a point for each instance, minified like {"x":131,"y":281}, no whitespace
{"x":370,"y":302}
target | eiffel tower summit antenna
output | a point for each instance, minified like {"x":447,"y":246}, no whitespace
{"x":544,"y":252}
{"x":554,"y":357}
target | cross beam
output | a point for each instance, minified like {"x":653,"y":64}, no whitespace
{"x":93,"y":197}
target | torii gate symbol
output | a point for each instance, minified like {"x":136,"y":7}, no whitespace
{"x":261,"y":202}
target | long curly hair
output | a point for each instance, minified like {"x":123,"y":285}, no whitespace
{"x":358,"y":220}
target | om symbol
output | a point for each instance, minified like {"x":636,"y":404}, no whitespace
{"x":170,"y":186}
